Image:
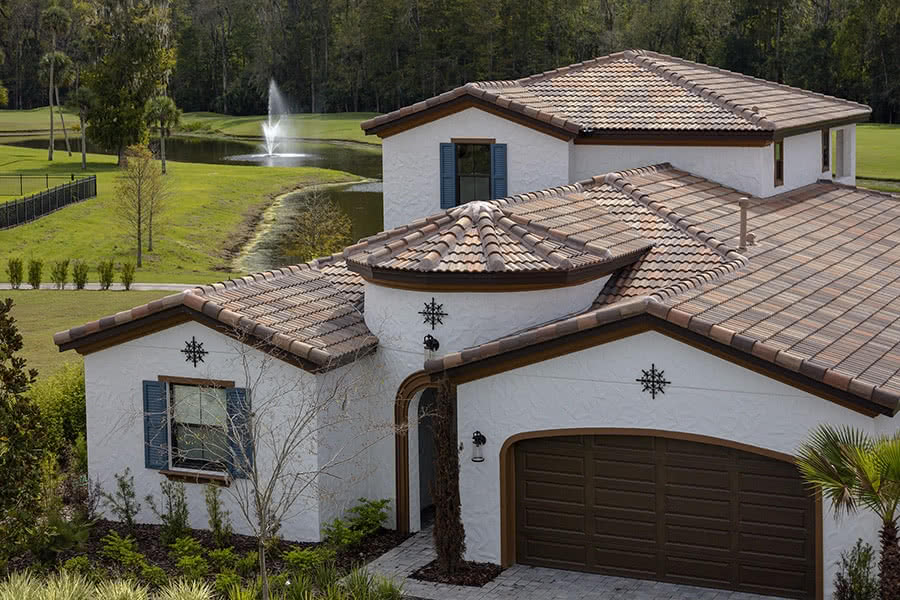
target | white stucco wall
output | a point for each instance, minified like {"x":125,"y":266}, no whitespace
{"x":115,"y":431}
{"x":738,"y":167}
{"x":849,"y":155}
{"x":597,"y":388}
{"x":411,"y":162}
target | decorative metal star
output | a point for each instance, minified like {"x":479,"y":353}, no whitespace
{"x":193,"y":351}
{"x":433,"y":313}
{"x":653,"y":381}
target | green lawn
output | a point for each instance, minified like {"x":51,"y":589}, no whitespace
{"x":36,"y":119}
{"x":878,"y":151}
{"x":330,"y":126}
{"x":209,"y":210}
{"x":41,"y":313}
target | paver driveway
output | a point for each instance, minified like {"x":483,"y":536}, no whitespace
{"x":534,"y":583}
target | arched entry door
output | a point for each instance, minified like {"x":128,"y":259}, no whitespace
{"x":667,"y":509}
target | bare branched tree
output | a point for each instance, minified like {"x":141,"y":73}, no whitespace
{"x":319,"y":228}
{"x":140,"y":194}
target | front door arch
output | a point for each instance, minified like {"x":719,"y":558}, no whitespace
{"x":508,"y":481}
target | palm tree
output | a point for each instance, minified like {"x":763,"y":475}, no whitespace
{"x":162,"y":110}
{"x":63,"y":70}
{"x":854,"y":471}
{"x":83,"y":100}
{"x":56,"y":20}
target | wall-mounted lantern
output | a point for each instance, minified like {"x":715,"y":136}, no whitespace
{"x":478,"y":440}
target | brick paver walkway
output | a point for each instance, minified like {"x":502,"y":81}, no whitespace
{"x":533,"y":583}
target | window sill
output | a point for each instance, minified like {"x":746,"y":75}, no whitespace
{"x":190,"y":477}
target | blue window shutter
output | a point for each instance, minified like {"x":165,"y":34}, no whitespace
{"x":238,"y":405}
{"x":448,"y":175}
{"x":498,"y":171}
{"x":156,"y":426}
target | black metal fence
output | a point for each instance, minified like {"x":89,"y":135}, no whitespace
{"x":18,"y":184}
{"x":17,"y":212}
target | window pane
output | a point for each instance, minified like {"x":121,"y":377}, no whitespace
{"x":473,"y":159}
{"x":199,"y":405}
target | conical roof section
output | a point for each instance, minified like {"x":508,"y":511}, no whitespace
{"x":546,"y":240}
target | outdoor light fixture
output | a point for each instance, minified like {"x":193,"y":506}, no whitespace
{"x":431,"y":344}
{"x":478,"y":440}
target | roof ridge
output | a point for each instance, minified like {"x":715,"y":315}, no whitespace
{"x":758,"y":80}
{"x":619,"y":180}
{"x":532,"y":241}
{"x":599,"y":60}
{"x":644,"y":59}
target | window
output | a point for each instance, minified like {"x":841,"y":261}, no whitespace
{"x":779,"y":162}
{"x":199,"y":421}
{"x":826,"y":150}
{"x":473,"y":172}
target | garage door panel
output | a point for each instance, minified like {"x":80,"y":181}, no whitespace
{"x":666,"y":509}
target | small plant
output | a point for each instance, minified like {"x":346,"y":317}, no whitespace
{"x":194,"y":568}
{"x":21,"y":584}
{"x":121,"y":590}
{"x":15,"y":271}
{"x":123,"y":504}
{"x":369,"y":515}
{"x":79,"y":454}
{"x":185,"y":546}
{"x":173,"y":512}
{"x":225,"y":581}
{"x":856,"y":580}
{"x":386,"y":589}
{"x":122,"y":551}
{"x":80,"y":565}
{"x":107,"y":271}
{"x":250,"y":592}
{"x":219,"y":518}
{"x":35,"y":272}
{"x":223,"y":559}
{"x":339,"y":534}
{"x":80,"y":272}
{"x":247,"y":564}
{"x":68,"y":585}
{"x":359,"y":583}
{"x":153,"y":576}
{"x":127,"y":275}
{"x":326,"y":575}
{"x":306,"y":560}
{"x":59,"y":273}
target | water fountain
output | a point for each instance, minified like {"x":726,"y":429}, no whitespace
{"x":275,"y":130}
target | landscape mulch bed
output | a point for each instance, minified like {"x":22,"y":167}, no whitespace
{"x":150,"y":544}
{"x":473,"y":574}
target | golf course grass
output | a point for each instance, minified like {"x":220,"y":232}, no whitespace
{"x":336,"y":126}
{"x":211,"y":209}
{"x":878,"y":151}
{"x":41,"y":313}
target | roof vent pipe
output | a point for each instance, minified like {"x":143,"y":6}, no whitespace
{"x":744,"y":202}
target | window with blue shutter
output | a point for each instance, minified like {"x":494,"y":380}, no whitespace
{"x":498,"y":171}
{"x":156,"y":426}
{"x":448,"y":175}
{"x":240,"y":438}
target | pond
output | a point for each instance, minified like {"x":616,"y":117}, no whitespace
{"x":361,"y":202}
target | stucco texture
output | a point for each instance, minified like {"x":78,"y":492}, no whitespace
{"x":596,"y":388}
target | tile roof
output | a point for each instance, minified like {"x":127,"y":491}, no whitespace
{"x":645,"y":91}
{"x":557,"y":232}
{"x":310,"y":311}
{"x":816,"y":294}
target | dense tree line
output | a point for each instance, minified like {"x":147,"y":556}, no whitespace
{"x":378,"y":55}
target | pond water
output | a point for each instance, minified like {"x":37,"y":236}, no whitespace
{"x":361,"y":202}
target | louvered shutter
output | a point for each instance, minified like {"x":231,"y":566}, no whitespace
{"x":498,"y":171}
{"x":448,"y":175}
{"x":156,"y":426}
{"x":239,"y":435}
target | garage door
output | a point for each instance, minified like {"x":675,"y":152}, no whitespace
{"x":665,"y":509}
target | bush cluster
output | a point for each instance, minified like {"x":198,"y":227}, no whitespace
{"x":59,"y":273}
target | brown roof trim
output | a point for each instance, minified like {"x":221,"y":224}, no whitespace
{"x":673,"y":137}
{"x":582,"y":339}
{"x":780,"y":134}
{"x":503,"y":281}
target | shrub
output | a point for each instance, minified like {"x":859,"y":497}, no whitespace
{"x":107,"y":271}
{"x":70,"y":586}
{"x":173,"y":512}
{"x":386,"y":589}
{"x":223,"y":559}
{"x":326,"y":575}
{"x":185,"y":546}
{"x":15,"y":271}
{"x":121,"y":590}
{"x":225,"y":581}
{"x":53,"y":535}
{"x":339,"y":534}
{"x":59,"y":273}
{"x":123,"y":504}
{"x":246,"y":566}
{"x":61,"y":400}
{"x":35,"y":272}
{"x":359,"y":583}
{"x":80,"y":272}
{"x":219,"y":518}
{"x":306,"y":560}
{"x":250,"y":592}
{"x":122,"y":550}
{"x":79,"y":454}
{"x":856,"y":580}
{"x":127,"y":275}
{"x":21,"y":585}
{"x":80,"y":565}
{"x":186,"y":590}
{"x":153,"y":575}
{"x":369,"y":515}
{"x":300,"y":587}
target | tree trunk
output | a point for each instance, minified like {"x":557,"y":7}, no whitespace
{"x":140,"y":228}
{"x":224,"y":78}
{"x":50,"y":94}
{"x":162,"y":146}
{"x":449,"y":534}
{"x":63,"y":119}
{"x":83,"y":139}
{"x":263,"y":537}
{"x":889,"y":566}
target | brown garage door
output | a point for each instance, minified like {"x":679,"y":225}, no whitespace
{"x":665,"y":509}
